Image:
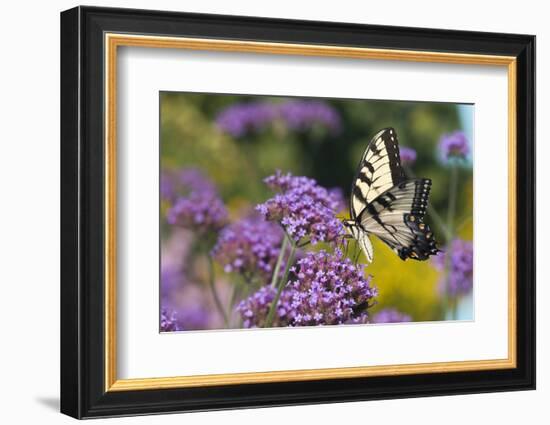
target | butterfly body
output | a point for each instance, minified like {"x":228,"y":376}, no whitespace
{"x":386,"y":204}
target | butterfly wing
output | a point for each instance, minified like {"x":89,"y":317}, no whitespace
{"x":396,"y":216}
{"x":366,"y":245}
{"x":363,"y":240}
{"x":379,"y":170}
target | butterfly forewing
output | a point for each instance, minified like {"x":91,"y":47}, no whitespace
{"x":379,"y":170}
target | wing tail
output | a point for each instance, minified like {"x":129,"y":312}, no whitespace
{"x":366,"y":246}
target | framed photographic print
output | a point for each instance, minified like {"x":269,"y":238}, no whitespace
{"x":262,"y":212}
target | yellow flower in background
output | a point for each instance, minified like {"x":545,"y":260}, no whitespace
{"x":409,"y":286}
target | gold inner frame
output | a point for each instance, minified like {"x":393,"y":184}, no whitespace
{"x":113,"y":41}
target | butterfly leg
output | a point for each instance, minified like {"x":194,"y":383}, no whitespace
{"x":344,"y":242}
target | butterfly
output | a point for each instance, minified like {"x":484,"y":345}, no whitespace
{"x":386,"y":204}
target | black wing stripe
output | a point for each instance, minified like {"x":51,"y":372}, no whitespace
{"x":364,"y":179}
{"x":369,"y":167}
{"x":359,"y":195}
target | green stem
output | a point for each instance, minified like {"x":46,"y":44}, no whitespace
{"x":215,"y":295}
{"x":279,"y":261}
{"x":281,"y":285}
{"x":232,"y":299}
{"x":453,"y":185}
{"x":434,"y":215}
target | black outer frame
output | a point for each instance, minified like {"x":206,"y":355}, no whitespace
{"x":82,"y":204}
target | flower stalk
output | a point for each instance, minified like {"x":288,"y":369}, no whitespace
{"x":281,"y":284}
{"x":449,"y":302}
{"x":284,"y":247}
{"x":213,"y":290}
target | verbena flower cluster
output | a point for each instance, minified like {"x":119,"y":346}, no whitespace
{"x":255,"y":308}
{"x":325,"y":289}
{"x":461,"y":266}
{"x":170,"y":279}
{"x":199,"y":211}
{"x":454,"y":146}
{"x":390,"y":315}
{"x":242,"y":118}
{"x":168,"y":321}
{"x":184,"y":306}
{"x":174,"y":184}
{"x":303,"y":208}
{"x":196,"y":204}
{"x":302,"y":115}
{"x":250,"y":247}
{"x":408,"y":155}
{"x":167,"y":187}
{"x":298,"y":115}
{"x":338,"y":200}
{"x":192,"y":317}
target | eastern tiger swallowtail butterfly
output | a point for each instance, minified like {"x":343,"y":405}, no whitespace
{"x":386,"y":204}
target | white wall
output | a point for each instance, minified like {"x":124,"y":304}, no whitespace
{"x":29,"y":217}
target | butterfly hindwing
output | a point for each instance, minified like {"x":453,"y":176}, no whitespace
{"x":379,"y":170}
{"x":396,"y":216}
{"x":363,"y":240}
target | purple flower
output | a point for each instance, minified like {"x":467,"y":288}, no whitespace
{"x":461,"y":266}
{"x":168,"y":321}
{"x":193,"y":317}
{"x":303,"y":208}
{"x":170,"y":279}
{"x":198,"y":206}
{"x":255,"y":308}
{"x":390,"y":315}
{"x":303,"y":115}
{"x":184,"y":305}
{"x":326,"y":289}
{"x":338,"y":199}
{"x":249,"y":247}
{"x":408,"y":155}
{"x":167,"y":186}
{"x":453,"y":146}
{"x":174,"y":184}
{"x":242,"y":118}
{"x":200,"y":212}
{"x":194,"y":180}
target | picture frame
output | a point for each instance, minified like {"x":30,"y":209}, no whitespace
{"x":90,"y":40}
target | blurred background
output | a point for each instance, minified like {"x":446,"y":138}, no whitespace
{"x":227,"y":144}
